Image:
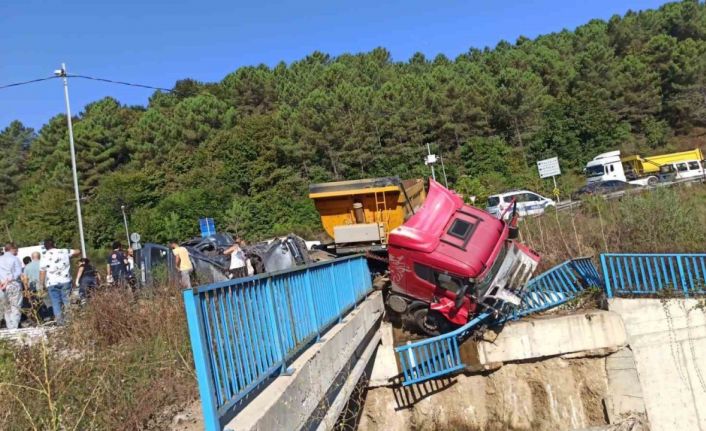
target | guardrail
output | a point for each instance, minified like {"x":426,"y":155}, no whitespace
{"x":627,"y":274}
{"x":565,"y":205}
{"x":440,"y":355}
{"x":245,"y":331}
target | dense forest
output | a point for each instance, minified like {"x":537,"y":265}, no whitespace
{"x":244,"y":150}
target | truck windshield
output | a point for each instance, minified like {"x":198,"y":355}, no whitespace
{"x":594,"y":171}
{"x":483,"y":284}
{"x":493,"y":201}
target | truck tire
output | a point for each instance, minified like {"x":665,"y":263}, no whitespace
{"x":652,"y":181}
{"x":430,"y":322}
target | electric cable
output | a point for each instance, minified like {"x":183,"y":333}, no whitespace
{"x":111,"y":81}
{"x":32,"y":81}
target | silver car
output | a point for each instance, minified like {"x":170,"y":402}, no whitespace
{"x":528,"y":203}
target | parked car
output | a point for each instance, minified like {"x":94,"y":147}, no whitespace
{"x":528,"y":203}
{"x":603,"y":188}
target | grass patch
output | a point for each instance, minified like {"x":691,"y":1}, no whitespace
{"x":664,"y":220}
{"x":119,"y":363}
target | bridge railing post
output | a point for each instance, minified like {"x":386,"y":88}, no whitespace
{"x":275,"y":327}
{"x":310,"y":303}
{"x":202,"y":364}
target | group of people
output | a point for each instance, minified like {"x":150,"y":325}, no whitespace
{"x":42,"y":283}
{"x":240,"y":264}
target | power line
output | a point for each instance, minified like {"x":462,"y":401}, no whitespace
{"x":92,"y":78}
{"x":130,"y":84}
{"x":18,"y":84}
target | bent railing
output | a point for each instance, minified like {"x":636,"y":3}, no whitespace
{"x":438,"y":356}
{"x":628,"y":274}
{"x":245,"y":331}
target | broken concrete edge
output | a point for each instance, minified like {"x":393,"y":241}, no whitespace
{"x":556,"y":336}
{"x":593,"y":353}
{"x":385,"y":361}
{"x":289,"y":402}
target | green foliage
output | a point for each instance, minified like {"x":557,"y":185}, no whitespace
{"x":244,"y":150}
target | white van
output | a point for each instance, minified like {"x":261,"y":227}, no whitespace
{"x":528,"y":203}
{"x":681,"y":170}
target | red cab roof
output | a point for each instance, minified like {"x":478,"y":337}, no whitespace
{"x":424,"y":232}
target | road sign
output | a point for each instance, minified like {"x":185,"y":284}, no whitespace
{"x":548,"y":167}
{"x":135,"y":237}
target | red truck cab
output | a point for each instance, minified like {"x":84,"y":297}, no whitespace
{"x":450,"y":261}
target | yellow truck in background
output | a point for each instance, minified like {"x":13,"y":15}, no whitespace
{"x":637,"y":169}
{"x":359,"y":214}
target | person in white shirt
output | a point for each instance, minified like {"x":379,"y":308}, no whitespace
{"x":238,"y":260}
{"x":55,"y":274}
{"x":10,"y":286}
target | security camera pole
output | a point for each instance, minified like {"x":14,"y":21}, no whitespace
{"x":62,"y":73}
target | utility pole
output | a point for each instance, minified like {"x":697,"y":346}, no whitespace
{"x":127,"y":231}
{"x":62,"y":73}
{"x":443,"y":169}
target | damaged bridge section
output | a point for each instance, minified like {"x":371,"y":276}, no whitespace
{"x":440,"y":356}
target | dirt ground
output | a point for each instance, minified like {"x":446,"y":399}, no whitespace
{"x":553,"y":394}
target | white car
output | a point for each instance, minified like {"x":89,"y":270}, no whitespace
{"x":528,"y":203}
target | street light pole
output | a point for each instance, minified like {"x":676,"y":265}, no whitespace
{"x":62,"y":73}
{"x":127,"y":231}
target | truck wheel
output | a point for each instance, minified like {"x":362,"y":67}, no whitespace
{"x":430,"y":322}
{"x":652,"y":181}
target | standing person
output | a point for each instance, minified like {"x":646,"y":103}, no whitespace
{"x":183,"y":263}
{"x":30,"y":278}
{"x":55,"y":274}
{"x":117,"y":267}
{"x":237,"y":260}
{"x":10,"y":287}
{"x":87,"y":279}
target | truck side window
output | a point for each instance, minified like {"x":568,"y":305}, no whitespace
{"x":424,"y":272}
{"x":694,"y":166}
{"x":448,"y":282}
{"x":437,"y":278}
{"x":681,"y":167}
{"x":460,"y":229}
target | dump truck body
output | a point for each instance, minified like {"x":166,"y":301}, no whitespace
{"x":634,"y":169}
{"x":359,"y":215}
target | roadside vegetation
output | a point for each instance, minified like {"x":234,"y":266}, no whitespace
{"x":664,"y":220}
{"x":122,"y":363}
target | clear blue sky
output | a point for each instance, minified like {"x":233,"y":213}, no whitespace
{"x":160,"y":42}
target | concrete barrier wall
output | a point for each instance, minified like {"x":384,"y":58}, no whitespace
{"x":289,"y":402}
{"x":668,"y":339}
{"x":552,"y":336}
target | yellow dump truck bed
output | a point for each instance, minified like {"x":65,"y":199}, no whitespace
{"x":385,"y":201}
{"x":650,"y":165}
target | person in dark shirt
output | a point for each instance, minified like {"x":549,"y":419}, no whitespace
{"x":87,"y":279}
{"x":117,"y":265}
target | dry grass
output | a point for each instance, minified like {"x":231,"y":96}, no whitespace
{"x":116,"y":366}
{"x":662,"y":220}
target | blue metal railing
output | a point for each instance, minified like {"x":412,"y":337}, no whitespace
{"x":440,"y":355}
{"x":628,"y":274}
{"x":245,"y":331}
